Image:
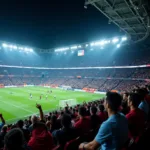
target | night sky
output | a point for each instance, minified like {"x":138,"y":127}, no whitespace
{"x":52,"y":23}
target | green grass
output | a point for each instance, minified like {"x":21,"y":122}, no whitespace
{"x":18,"y":105}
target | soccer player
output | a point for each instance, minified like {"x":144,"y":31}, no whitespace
{"x":55,"y":97}
{"x":40,"y":97}
{"x":30,"y":96}
{"x":46,"y":97}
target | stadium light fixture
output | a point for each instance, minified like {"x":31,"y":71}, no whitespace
{"x":124,"y":38}
{"x":115,"y":40}
{"x":118,"y":45}
{"x":61,"y":49}
{"x":74,"y":47}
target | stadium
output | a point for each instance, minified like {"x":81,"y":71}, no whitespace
{"x":63,"y":98}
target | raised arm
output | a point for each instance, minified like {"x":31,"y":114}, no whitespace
{"x":40,"y":111}
{"x":2,"y":119}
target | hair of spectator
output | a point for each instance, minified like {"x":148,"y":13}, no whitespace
{"x":14,"y":139}
{"x":101,"y":107}
{"x":93,"y":110}
{"x":49,"y":118}
{"x":39,"y":125}
{"x":34,"y":119}
{"x":53,"y":119}
{"x":135,"y":99}
{"x":4,"y":129}
{"x":126,"y":93}
{"x":142,"y":92}
{"x":66,"y":120}
{"x":82,"y":111}
{"x":114,"y":100}
{"x":20,"y":123}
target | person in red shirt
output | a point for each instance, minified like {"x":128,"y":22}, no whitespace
{"x":84,"y":123}
{"x":41,"y":138}
{"x":135,"y":117}
{"x":102,"y":114}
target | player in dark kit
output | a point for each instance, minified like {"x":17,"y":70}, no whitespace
{"x":40,"y":97}
{"x":30,"y":96}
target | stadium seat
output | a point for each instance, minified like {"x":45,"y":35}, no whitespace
{"x":57,"y":148}
{"x":87,"y":137}
{"x":73,"y":144}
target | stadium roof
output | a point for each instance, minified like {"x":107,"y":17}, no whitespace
{"x":131,"y":16}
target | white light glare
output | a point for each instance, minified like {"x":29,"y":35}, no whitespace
{"x":4,"y":45}
{"x":72,"y":52}
{"x":124,"y":38}
{"x":21,"y":48}
{"x":103,"y":42}
{"x":61,"y":49}
{"x":92,"y":44}
{"x":10,"y":46}
{"x":79,"y":46}
{"x":28,"y":49}
{"x":86,"y":45}
{"x":15,"y":47}
{"x":115,"y":40}
{"x":74,"y":47}
{"x":118,"y":45}
{"x":31,"y":50}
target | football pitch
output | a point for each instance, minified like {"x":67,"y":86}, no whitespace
{"x":15,"y":103}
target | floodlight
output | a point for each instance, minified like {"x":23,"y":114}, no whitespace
{"x":4,"y":45}
{"x":115,"y":40}
{"x":79,"y":46}
{"x":118,"y":45}
{"x":74,"y":47}
{"x":124,"y":38}
{"x":86,"y":45}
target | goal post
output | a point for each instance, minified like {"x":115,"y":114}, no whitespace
{"x":70,"y":102}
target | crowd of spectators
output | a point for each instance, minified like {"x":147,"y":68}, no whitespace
{"x":114,"y":122}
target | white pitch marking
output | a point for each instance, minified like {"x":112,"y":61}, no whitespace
{"x":17,"y":107}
